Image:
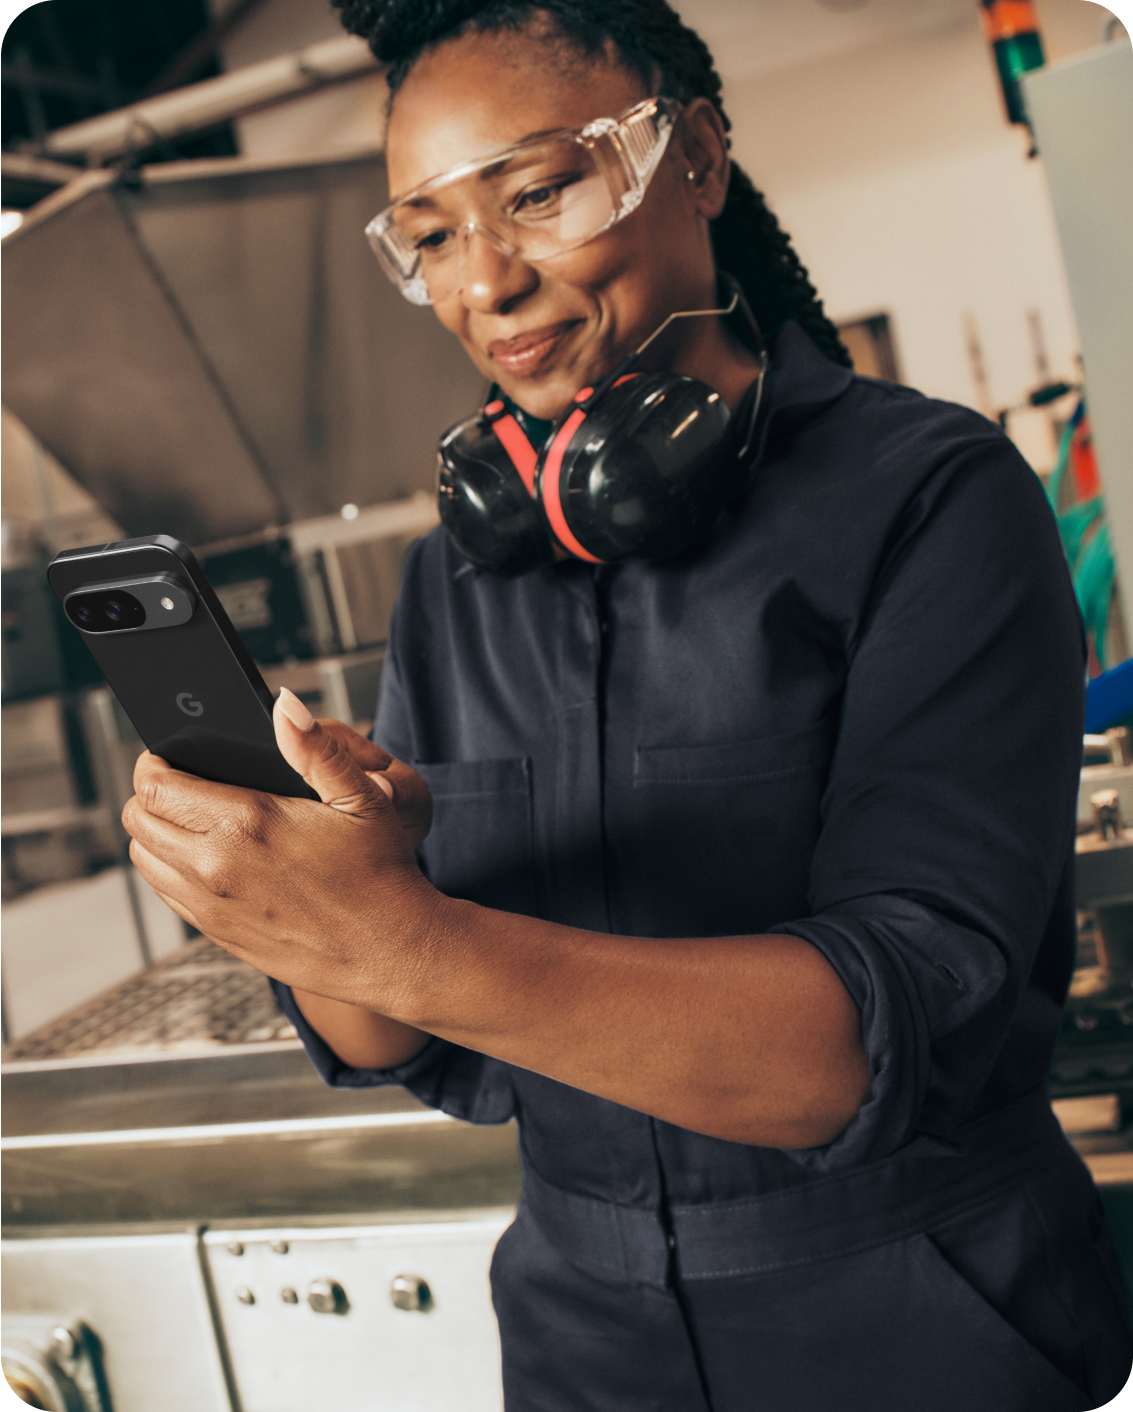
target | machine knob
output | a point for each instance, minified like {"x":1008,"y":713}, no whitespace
{"x":327,"y":1297}
{"x":245,"y":1295}
{"x":66,"y":1342}
{"x":410,"y":1292}
{"x":1106,"y":804}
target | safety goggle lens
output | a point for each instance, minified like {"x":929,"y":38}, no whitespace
{"x":535,"y":201}
{"x":536,"y":205}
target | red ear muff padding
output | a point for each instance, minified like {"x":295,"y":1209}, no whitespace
{"x":639,"y":472}
{"x":550,"y":490}
{"x":523,"y":455}
{"x":485,"y":488}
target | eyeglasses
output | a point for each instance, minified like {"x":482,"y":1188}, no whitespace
{"x":537,"y":199}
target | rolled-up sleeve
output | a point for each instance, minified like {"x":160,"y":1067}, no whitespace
{"x":948,"y":822}
{"x":458,"y":1081}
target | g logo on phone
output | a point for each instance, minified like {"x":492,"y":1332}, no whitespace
{"x":186,"y":703}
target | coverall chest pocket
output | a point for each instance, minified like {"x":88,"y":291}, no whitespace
{"x":479,"y":847}
{"x":724,"y":834}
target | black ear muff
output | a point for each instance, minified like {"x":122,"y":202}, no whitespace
{"x":637,"y":469}
{"x":634,"y":471}
{"x":485,"y":493}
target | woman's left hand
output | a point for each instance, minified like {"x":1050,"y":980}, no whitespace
{"x":324,"y":898}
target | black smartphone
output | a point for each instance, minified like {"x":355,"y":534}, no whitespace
{"x":172,"y":657}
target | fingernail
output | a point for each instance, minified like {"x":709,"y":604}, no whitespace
{"x":383,"y":784}
{"x":294,"y":710}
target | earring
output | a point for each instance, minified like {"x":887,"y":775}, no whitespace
{"x":690,"y":176}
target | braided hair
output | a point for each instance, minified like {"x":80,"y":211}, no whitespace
{"x":652,"y":42}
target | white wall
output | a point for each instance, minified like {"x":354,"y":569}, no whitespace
{"x":889,"y":160}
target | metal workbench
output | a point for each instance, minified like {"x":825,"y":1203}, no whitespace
{"x":193,"y":1221}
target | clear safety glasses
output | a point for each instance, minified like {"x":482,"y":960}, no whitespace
{"x":537,"y":199}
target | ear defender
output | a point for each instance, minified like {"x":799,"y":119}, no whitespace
{"x":634,"y":471}
{"x":486,"y":493}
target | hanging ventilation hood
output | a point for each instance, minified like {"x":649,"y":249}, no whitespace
{"x":210,"y":348}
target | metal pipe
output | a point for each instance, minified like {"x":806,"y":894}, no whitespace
{"x":216,"y":1132}
{"x":212,"y":101}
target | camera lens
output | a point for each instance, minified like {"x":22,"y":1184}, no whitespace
{"x":112,"y":611}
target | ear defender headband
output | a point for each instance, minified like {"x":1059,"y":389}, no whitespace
{"x":631,"y":472}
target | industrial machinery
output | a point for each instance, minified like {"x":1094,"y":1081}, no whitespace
{"x":193,"y":1222}
{"x":1097,"y":1039}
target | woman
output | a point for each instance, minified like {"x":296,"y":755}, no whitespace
{"x":749,"y":891}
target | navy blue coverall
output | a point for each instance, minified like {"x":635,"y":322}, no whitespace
{"x":854,"y":714}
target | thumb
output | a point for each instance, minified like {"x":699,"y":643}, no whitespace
{"x":326,"y":765}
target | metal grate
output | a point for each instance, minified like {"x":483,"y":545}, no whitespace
{"x":198,"y":998}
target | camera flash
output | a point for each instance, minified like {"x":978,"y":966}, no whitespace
{"x":168,"y":603}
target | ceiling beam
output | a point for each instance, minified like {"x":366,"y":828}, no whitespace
{"x":167,"y":116}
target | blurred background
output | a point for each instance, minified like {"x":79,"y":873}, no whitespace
{"x":197,"y":341}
